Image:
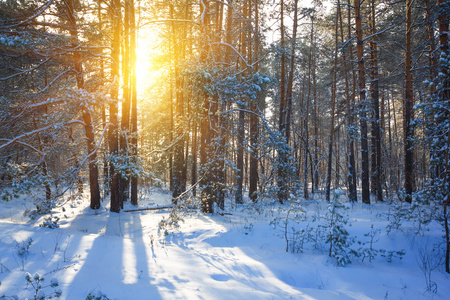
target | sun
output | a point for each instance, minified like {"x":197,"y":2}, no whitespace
{"x":147,"y":47}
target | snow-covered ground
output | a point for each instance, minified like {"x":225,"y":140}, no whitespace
{"x":238,"y":255}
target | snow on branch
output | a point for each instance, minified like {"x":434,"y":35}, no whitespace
{"x":33,"y":107}
{"x":54,"y":80}
{"x":235,"y":50}
{"x":36,"y":131}
{"x":45,"y":6}
{"x":26,"y":71}
{"x":381,"y":31}
{"x":41,"y":154}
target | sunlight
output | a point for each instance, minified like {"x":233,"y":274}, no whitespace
{"x":129,"y":272}
{"x":85,"y":244}
{"x":148,"y":40}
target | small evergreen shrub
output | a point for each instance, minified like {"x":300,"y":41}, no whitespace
{"x":338,"y":237}
{"x":23,"y":250}
{"x":96,"y":295}
{"x":50,"y":222}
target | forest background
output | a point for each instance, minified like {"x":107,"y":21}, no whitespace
{"x":226,"y":101}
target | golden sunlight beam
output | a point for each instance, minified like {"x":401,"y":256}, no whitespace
{"x":147,"y":48}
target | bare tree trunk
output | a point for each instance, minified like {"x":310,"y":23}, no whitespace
{"x":291,"y":73}
{"x":315,"y":162}
{"x":253,"y":172}
{"x":171,"y":130}
{"x":306,"y":118}
{"x":92,"y":152}
{"x":105,"y":141}
{"x":365,"y":185}
{"x":178,"y":163}
{"x":445,"y":96}
{"x":134,"y":127}
{"x":221,"y":125}
{"x":113,"y":108}
{"x":282,"y":177}
{"x":194,"y":159}
{"x":349,"y":96}
{"x":376,"y":132}
{"x":206,"y":147}
{"x":241,"y":128}
{"x":126,"y":103}
{"x":333,"y":106}
{"x":409,"y":102}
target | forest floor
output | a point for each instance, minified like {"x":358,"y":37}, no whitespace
{"x":240,"y":254}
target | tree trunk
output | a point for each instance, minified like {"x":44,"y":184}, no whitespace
{"x":194,"y":160}
{"x":241,"y":128}
{"x":445,"y":96}
{"x":282,"y":178}
{"x":92,"y":151}
{"x":178,"y":163}
{"x":365,"y":185}
{"x":306,"y":117}
{"x":206,"y":147}
{"x":134,"y":127}
{"x":126,"y":103}
{"x":349,"y":96}
{"x":315,"y":162}
{"x":105,"y":141}
{"x":408,"y":127}
{"x":376,"y":132}
{"x":254,"y":124}
{"x":333,"y":106}
{"x":113,"y":108}
{"x":291,"y":73}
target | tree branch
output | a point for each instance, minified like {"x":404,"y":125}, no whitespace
{"x":29,"y":18}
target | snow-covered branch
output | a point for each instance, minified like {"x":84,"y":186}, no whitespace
{"x":26,"y":71}
{"x":26,"y":145}
{"x":36,"y":131}
{"x":54,"y":80}
{"x":44,"y":7}
{"x":235,"y":50}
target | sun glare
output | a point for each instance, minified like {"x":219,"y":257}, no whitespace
{"x":146,"y":49}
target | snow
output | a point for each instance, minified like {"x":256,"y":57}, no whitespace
{"x":240,"y":255}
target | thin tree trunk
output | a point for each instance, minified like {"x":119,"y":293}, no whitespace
{"x":409,"y":102}
{"x":351,"y":177}
{"x":134,"y":127}
{"x":306,"y":117}
{"x":315,"y":163}
{"x":206,"y":148}
{"x":178,"y":163}
{"x":241,"y":128}
{"x":365,"y":184}
{"x":194,"y":159}
{"x":172,"y":129}
{"x":105,"y":141}
{"x":113,"y":108}
{"x":333,"y":106}
{"x":89,"y":129}
{"x":253,"y":172}
{"x":126,"y":103}
{"x":282,"y":177}
{"x":354,"y":155}
{"x":291,"y":73}
{"x":445,"y":96}
{"x":376,"y":132}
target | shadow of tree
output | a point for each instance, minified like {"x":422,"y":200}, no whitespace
{"x":116,"y":258}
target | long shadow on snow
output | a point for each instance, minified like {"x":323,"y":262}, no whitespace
{"x":231,"y":264}
{"x":116,"y":263}
{"x":252,"y":262}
